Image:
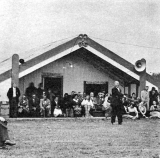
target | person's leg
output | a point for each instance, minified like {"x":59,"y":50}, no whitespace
{"x":119,"y":114}
{"x":47,"y":110}
{"x":4,"y":137}
{"x":119,"y":119}
{"x":11,"y":112}
{"x":3,"y":134}
{"x":52,"y":109}
{"x":14,"y":108}
{"x":113,"y":115}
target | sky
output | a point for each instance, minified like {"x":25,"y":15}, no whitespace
{"x":129,"y":28}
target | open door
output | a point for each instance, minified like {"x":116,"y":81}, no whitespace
{"x":55,"y":83}
{"x":95,"y":87}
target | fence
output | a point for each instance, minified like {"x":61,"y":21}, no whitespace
{"x":4,"y":109}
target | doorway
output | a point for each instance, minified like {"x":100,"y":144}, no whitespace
{"x":55,"y":84}
{"x":95,"y":87}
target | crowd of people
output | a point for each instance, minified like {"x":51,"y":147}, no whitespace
{"x":41,"y":103}
{"x":37,"y":102}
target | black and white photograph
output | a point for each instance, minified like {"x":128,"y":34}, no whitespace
{"x":79,"y":79}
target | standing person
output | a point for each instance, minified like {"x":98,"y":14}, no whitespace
{"x":4,"y":137}
{"x":31,"y":90}
{"x":116,"y":104}
{"x":13,"y":95}
{"x":40,"y":91}
{"x":51,"y":97}
{"x":145,"y":97}
{"x":93,"y":100}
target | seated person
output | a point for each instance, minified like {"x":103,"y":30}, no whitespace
{"x":107,"y":105}
{"x":45,"y":106}
{"x":57,"y":109}
{"x":23,"y":107}
{"x":76,"y":106}
{"x":125,"y":104}
{"x":99,"y":101}
{"x":87,"y":104}
{"x":154,"y":110}
{"x":131,"y":111}
{"x":142,"y":109}
{"x":34,"y":106}
{"x":4,"y":137}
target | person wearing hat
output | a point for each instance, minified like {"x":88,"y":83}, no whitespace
{"x":4,"y":137}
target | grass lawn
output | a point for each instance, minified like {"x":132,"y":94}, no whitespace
{"x":83,"y":138}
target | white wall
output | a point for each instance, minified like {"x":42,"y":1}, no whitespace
{"x":4,"y":87}
{"x":133,"y":88}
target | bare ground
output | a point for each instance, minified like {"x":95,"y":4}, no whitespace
{"x":83,"y":138}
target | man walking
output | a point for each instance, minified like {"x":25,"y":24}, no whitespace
{"x":116,"y":104}
{"x":13,"y":95}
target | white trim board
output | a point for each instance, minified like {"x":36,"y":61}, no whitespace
{"x":114,"y":63}
{"x":45,"y":62}
{"x":76,"y":47}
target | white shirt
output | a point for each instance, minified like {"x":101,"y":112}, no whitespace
{"x":14,"y":92}
{"x":118,"y":89}
{"x":86,"y":102}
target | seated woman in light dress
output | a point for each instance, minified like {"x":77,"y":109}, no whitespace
{"x":154,"y":110}
{"x":131,"y":112}
{"x":87,"y":103}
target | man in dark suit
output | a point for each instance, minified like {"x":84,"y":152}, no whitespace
{"x":13,"y":95}
{"x":34,"y":106}
{"x":116,"y":104}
